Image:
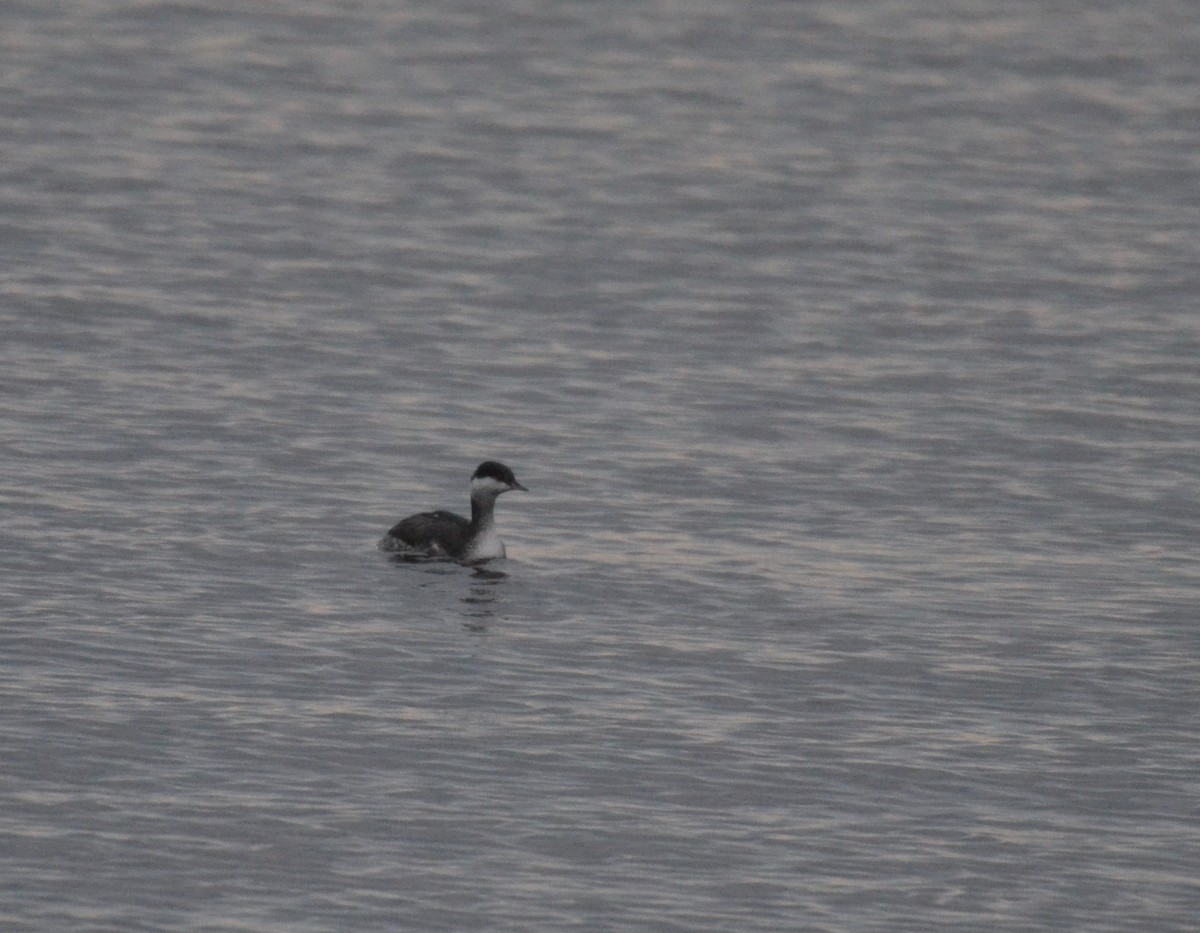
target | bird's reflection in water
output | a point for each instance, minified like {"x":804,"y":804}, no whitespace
{"x":480,"y":600}
{"x":481,"y":595}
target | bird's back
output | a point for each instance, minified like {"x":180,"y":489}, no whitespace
{"x":433,"y":533}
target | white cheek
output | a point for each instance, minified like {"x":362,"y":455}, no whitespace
{"x":486,"y":485}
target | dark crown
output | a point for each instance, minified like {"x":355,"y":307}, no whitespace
{"x":495,"y":470}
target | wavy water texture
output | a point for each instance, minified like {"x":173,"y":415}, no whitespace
{"x":848,"y":352}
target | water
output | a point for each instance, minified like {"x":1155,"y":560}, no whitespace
{"x":850,"y":354}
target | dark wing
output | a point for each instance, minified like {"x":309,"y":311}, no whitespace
{"x":433,"y":532}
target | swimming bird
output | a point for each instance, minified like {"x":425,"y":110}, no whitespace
{"x":444,"y":534}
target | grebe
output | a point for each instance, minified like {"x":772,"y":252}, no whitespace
{"x":444,"y":534}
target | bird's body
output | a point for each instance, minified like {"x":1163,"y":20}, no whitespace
{"x":445,"y":534}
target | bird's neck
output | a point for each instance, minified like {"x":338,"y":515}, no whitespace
{"x":483,"y":510}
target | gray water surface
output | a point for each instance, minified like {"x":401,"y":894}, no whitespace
{"x":850,"y":353}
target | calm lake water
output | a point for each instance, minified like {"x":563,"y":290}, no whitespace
{"x":851,"y":354}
